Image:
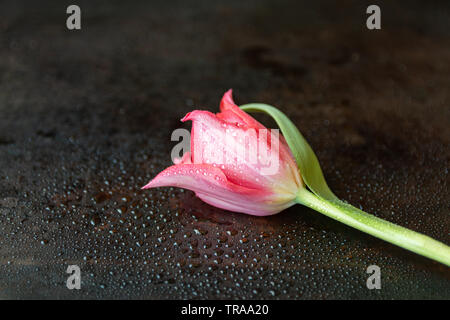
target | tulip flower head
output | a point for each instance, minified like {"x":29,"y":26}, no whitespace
{"x":237,"y":164}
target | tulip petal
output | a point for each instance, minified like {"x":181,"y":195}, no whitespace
{"x":230,"y":112}
{"x":212,"y":186}
{"x":245,"y":206}
{"x":231,"y":117}
{"x":228,"y":108}
{"x":212,"y":142}
{"x":228,"y":146}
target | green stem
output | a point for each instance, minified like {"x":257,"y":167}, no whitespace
{"x":377,"y":227}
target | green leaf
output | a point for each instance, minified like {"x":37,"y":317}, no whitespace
{"x":304,"y":155}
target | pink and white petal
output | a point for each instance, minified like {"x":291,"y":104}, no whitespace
{"x":264,"y":208}
{"x":207,"y":132}
{"x":214,"y":141}
{"x":230,"y":112}
{"x":212,"y":186}
{"x":225,"y":145}
{"x":231,"y":117}
{"x":227,"y":105}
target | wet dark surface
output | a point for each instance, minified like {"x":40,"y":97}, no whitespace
{"x":86,"y":119}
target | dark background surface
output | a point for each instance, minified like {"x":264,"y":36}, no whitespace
{"x":86,"y":118}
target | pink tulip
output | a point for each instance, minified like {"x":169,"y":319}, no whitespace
{"x":235,"y":163}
